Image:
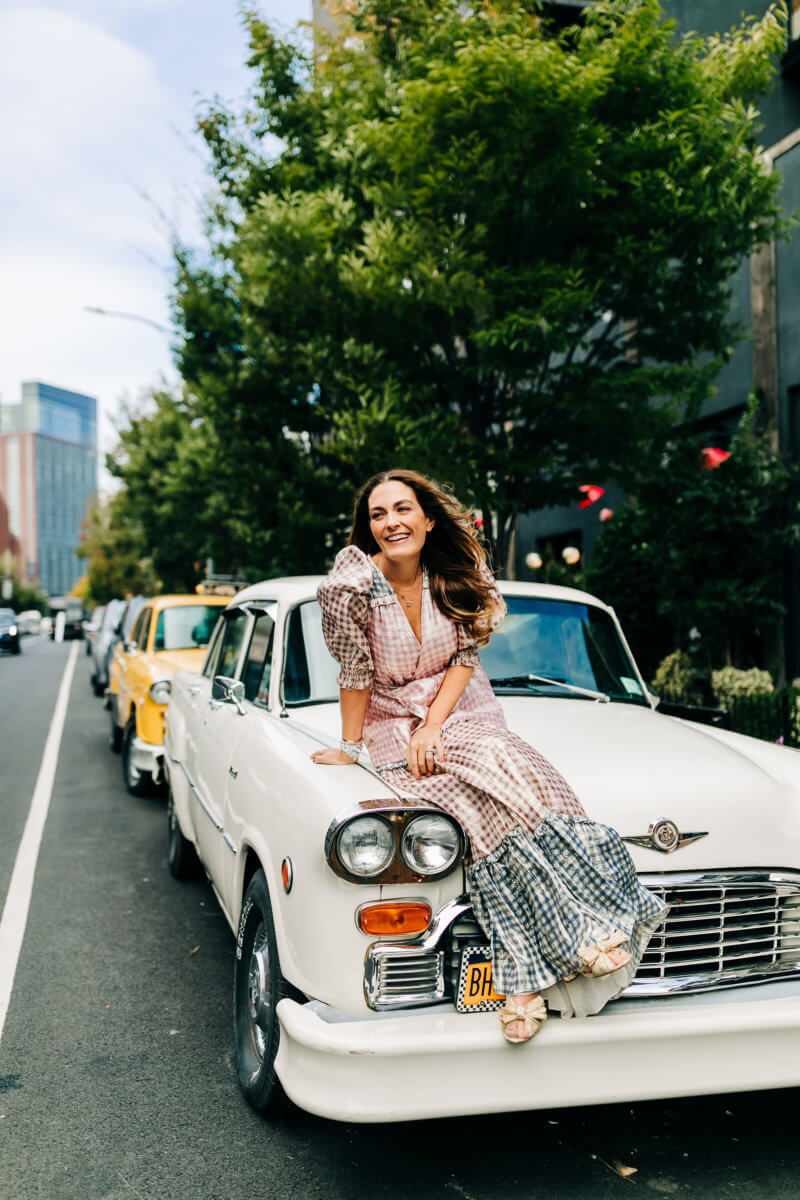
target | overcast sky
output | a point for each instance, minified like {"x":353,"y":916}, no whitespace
{"x":98,"y":100}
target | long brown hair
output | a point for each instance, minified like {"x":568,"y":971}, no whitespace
{"x":460,"y":581}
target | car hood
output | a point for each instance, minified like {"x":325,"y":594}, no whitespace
{"x":181,"y":660}
{"x":632,"y":766}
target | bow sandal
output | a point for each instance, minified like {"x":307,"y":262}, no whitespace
{"x":533,"y":1015}
{"x":597,"y":958}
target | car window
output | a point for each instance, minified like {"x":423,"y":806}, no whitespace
{"x":232,"y":641}
{"x":144,"y":629}
{"x":309,"y":674}
{"x":258,"y":665}
{"x":209,"y":666}
{"x":135,"y":635}
{"x":185,"y":627}
{"x":566,"y":642}
{"x":131,"y":612}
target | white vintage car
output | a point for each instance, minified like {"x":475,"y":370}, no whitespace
{"x":360,"y":975}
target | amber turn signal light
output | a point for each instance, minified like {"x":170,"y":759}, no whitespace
{"x":393,"y":917}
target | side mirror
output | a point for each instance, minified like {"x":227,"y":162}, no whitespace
{"x":231,"y":690}
{"x":129,"y":647}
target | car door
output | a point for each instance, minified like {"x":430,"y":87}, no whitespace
{"x":216,"y":734}
{"x":255,"y":674}
{"x":128,"y":652}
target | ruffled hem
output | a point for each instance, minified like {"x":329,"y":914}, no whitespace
{"x":467,"y":656}
{"x":542,"y":896}
{"x":353,"y":678}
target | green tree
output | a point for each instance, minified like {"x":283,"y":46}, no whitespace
{"x":486,"y":247}
{"x":114,"y":547}
{"x":703,"y":549}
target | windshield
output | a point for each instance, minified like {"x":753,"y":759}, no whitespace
{"x":573,"y":646}
{"x":186,"y":627}
{"x":576,"y":645}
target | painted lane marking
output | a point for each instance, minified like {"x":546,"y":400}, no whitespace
{"x":15,"y":912}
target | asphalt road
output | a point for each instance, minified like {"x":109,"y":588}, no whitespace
{"x":116,"y":1076}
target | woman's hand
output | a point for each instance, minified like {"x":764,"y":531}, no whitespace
{"x":420,"y":761}
{"x":332,"y":758}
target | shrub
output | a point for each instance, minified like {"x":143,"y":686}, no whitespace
{"x":729,"y":683}
{"x":676,"y":679}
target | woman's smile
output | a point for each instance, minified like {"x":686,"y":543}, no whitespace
{"x":398,"y":523}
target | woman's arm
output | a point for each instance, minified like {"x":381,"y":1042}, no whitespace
{"x":353,"y":705}
{"x":429,"y":735}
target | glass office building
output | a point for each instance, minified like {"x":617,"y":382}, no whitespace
{"x":48,"y":476}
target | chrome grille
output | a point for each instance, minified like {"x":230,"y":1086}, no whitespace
{"x":722,"y":928}
{"x":403,"y":976}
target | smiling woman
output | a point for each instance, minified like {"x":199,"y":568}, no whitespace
{"x":404,"y":611}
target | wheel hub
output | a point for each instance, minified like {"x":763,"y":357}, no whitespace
{"x":258,"y":990}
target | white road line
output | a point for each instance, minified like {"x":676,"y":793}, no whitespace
{"x":15,"y":912}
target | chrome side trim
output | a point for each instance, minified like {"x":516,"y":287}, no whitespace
{"x":170,"y":755}
{"x":211,"y":816}
{"x":230,"y":843}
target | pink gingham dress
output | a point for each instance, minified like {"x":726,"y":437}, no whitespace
{"x":529,"y":835}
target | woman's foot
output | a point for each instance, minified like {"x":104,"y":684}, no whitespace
{"x":604,"y":957}
{"x":522,"y":1017}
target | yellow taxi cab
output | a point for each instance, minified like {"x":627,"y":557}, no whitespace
{"x":170,"y":633}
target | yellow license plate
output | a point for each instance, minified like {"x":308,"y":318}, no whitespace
{"x":475,"y":991}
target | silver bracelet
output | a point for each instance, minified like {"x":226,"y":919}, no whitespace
{"x":351,"y":749}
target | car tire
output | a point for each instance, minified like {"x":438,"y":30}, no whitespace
{"x":137,"y":782}
{"x":182,"y":860}
{"x":97,"y":688}
{"x":258,"y":986}
{"x":115,"y":735}
{"x":17,"y":649}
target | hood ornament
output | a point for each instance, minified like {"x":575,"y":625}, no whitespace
{"x":665,"y":837}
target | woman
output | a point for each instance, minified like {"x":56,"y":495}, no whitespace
{"x":407,"y":604}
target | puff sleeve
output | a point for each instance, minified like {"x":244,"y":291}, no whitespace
{"x":344,"y":600}
{"x":466,"y":654}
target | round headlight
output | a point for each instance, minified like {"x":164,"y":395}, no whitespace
{"x":160,"y":691}
{"x":366,"y":846}
{"x":430,"y":844}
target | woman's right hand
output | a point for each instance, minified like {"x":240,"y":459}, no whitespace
{"x":332,"y":758}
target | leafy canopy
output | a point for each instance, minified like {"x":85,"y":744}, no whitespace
{"x":489,"y":248}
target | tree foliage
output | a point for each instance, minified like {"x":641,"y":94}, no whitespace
{"x":114,"y":546}
{"x":486,"y":247}
{"x":703,"y":549}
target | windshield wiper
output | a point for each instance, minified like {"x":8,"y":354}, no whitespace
{"x":523,"y":680}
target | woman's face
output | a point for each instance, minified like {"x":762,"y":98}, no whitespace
{"x":397,"y":521}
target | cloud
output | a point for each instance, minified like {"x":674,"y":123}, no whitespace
{"x":87,"y":128}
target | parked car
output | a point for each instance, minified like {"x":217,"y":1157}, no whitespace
{"x":73,"y":616}
{"x":102,"y":644}
{"x":30,"y":621}
{"x":170,"y":632}
{"x":355,"y":939}
{"x":9,"y":631}
{"x":121,"y":633}
{"x":93,"y":625}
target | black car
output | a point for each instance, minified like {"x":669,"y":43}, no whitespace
{"x":9,"y":631}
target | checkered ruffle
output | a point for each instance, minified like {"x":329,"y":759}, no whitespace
{"x":543,"y":895}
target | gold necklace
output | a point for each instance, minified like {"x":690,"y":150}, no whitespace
{"x":400,"y":594}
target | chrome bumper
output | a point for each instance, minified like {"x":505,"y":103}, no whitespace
{"x":148,"y":759}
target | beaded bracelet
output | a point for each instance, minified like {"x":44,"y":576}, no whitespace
{"x":351,"y":749}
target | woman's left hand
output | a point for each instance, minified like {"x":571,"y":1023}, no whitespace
{"x":420,"y":761}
